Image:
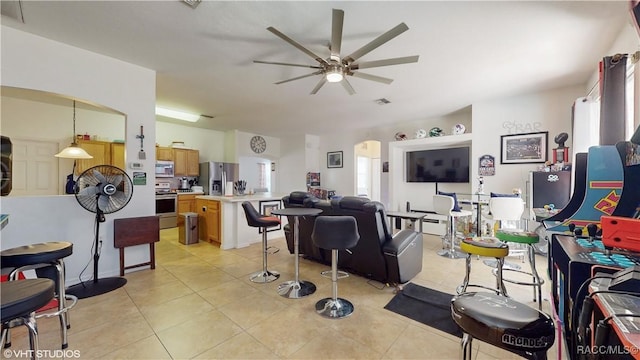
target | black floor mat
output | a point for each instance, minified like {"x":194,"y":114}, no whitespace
{"x":430,"y":307}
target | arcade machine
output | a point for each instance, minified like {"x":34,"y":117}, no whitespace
{"x":604,"y":232}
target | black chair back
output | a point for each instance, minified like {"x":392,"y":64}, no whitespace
{"x":254,"y":219}
{"x":335,"y":232}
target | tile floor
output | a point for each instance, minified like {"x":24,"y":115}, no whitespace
{"x":199,"y":303}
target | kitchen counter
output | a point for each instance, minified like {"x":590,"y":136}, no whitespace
{"x":189,"y":193}
{"x":242,"y":198}
{"x":224,"y":220}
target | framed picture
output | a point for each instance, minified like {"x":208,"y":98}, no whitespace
{"x":265,"y":208}
{"x":527,"y":148}
{"x":334,"y":159}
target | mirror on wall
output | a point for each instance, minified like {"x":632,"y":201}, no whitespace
{"x":40,"y":124}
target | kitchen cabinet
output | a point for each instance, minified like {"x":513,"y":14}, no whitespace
{"x":186,"y":203}
{"x":164,"y":153}
{"x":117,"y":155}
{"x":186,"y":162}
{"x":100,"y":150}
{"x":209,"y":220}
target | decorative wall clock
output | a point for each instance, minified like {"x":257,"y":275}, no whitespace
{"x":258,"y":144}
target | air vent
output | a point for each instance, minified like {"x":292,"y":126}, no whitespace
{"x":382,"y":101}
{"x":192,"y":3}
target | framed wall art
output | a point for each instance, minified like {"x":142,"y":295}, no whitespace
{"x":334,"y":159}
{"x":527,"y":148}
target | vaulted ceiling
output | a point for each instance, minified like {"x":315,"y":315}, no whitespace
{"x":469,"y":52}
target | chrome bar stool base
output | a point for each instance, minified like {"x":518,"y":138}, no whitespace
{"x":264,"y":276}
{"x":451,"y":254}
{"x":334,"y":309}
{"x":296,"y":289}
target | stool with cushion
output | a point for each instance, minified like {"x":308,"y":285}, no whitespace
{"x":335,"y":233}
{"x":20,"y":299}
{"x":506,"y":210}
{"x":484,"y":246}
{"x":47,"y":260}
{"x":255,"y":219}
{"x":446,"y":205}
{"x":502,"y":322}
{"x":529,"y":239}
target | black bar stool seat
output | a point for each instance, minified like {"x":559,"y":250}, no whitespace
{"x":502,"y":322}
{"x":335,"y":233}
{"x":257,"y":220}
{"x":47,"y":260}
{"x":20,"y":299}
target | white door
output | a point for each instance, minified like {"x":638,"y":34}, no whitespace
{"x":35,"y":169}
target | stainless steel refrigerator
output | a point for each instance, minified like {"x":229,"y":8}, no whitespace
{"x":215,"y":175}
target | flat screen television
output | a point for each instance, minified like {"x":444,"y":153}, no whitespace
{"x":449,"y":165}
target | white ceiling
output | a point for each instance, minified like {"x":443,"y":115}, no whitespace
{"x":469,"y":52}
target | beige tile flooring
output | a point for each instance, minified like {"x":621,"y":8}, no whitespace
{"x":199,"y":303}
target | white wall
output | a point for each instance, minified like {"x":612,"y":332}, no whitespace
{"x":550,"y":110}
{"x":33,"y":62}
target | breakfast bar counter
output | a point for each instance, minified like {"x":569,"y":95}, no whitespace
{"x":222,"y":221}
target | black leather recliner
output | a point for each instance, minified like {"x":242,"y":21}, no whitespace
{"x":378,"y":255}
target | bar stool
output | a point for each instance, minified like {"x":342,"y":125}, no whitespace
{"x":505,"y":211}
{"x":254,"y":219}
{"x":443,"y":205}
{"x":335,"y":233}
{"x":20,"y":299}
{"x":529,"y":239}
{"x":484,"y":246}
{"x":502,"y":322}
{"x":47,"y":260}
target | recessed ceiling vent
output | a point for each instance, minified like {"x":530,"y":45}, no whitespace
{"x":192,"y":3}
{"x":382,"y":101}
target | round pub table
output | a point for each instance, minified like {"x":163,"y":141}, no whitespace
{"x":296,"y":288}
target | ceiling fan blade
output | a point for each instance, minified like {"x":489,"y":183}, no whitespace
{"x":366,"y":76}
{"x":336,"y":32}
{"x":286,"y":64}
{"x":320,"y":83}
{"x":385,"y":62}
{"x":297,"y":45}
{"x":103,"y":202}
{"x":399,"y":29}
{"x":347,"y":86}
{"x":99,"y":176}
{"x":299,"y":77}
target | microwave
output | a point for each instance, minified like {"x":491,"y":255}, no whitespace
{"x":164,"y":168}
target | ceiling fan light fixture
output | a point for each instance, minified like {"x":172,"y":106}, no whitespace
{"x":73,"y":151}
{"x":180,"y":115}
{"x":335,"y":74}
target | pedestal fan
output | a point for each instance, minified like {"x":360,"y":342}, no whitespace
{"x":102,"y":189}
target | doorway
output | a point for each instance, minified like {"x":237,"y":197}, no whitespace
{"x":368,"y":169}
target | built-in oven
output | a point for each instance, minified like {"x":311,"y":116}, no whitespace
{"x":167,"y":209}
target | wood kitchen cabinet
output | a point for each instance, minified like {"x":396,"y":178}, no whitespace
{"x":117,"y":155}
{"x":100,"y":150}
{"x":186,"y":203}
{"x":209,"y":220}
{"x":164,"y":153}
{"x":186,"y":162}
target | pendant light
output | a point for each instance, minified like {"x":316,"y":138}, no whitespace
{"x":73,"y":151}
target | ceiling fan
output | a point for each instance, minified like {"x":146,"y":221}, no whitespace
{"x":335,"y":68}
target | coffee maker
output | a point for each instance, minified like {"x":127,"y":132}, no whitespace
{"x":184,"y":184}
